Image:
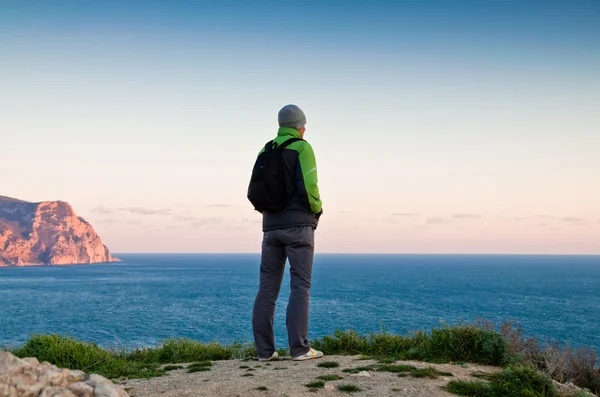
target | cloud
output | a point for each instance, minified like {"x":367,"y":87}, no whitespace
{"x":437,"y":220}
{"x":545,"y":216}
{"x":219,"y":205}
{"x":403,"y":214}
{"x":146,"y":211}
{"x":102,"y":210}
{"x":205,"y":221}
{"x":574,"y":220}
{"x":467,"y":216}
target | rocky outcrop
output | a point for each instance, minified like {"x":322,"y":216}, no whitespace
{"x":47,"y":233}
{"x":28,"y":378}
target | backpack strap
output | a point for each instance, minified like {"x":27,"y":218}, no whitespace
{"x":272,"y":145}
{"x":283,"y":145}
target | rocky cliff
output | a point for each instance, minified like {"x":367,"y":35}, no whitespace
{"x":47,"y":233}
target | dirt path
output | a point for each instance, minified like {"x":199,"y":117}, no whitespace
{"x":288,"y":378}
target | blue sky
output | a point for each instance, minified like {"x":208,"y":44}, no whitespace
{"x":146,"y":116}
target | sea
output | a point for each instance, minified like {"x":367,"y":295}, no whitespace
{"x":149,"y":298}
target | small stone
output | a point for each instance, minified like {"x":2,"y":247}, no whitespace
{"x":75,"y":376}
{"x":7,"y":391}
{"x":96,"y":380}
{"x":81,"y":389}
{"x":364,"y":374}
{"x":27,"y":384}
{"x":54,"y":391}
{"x":107,"y":390}
{"x":31,"y":360}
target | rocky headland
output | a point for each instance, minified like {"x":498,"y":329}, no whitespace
{"x":47,"y":233}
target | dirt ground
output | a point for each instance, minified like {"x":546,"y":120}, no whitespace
{"x":285,"y":377}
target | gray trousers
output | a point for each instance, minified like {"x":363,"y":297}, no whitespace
{"x":297,"y":244}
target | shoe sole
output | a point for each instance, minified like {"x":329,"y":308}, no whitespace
{"x":268,"y":359}
{"x":307,"y":358}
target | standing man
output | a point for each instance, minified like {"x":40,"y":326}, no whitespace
{"x":284,"y":189}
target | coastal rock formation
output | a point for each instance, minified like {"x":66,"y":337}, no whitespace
{"x":27,"y":377}
{"x":47,"y":233}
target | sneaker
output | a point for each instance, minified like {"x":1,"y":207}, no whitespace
{"x":312,"y":353}
{"x":273,"y":356}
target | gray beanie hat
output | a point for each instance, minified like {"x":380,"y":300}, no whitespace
{"x":291,"y":116}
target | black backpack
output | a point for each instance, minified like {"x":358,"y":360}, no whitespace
{"x":267,"y":190}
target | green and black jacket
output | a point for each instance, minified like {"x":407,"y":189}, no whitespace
{"x":304,"y":206}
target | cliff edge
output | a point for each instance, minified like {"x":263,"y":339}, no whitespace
{"x":47,"y":233}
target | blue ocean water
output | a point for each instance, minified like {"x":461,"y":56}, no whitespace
{"x":209,"y":297}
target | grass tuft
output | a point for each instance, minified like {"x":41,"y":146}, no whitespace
{"x":428,"y":372}
{"x":319,"y":384}
{"x":349,"y":388}
{"x":330,"y":377}
{"x":511,"y":381}
{"x":191,"y":370}
{"x":396,"y":368}
{"x":328,"y":364}
{"x":201,"y":364}
{"x":358,"y":369}
{"x":172,"y":367}
{"x":262,"y":388}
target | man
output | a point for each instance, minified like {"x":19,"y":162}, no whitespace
{"x":289,"y":234}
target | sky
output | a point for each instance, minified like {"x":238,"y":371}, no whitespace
{"x":438,"y":127}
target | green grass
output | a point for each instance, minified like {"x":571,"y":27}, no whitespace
{"x":89,"y":357}
{"x":328,"y":364}
{"x":172,"y":367}
{"x":191,"y":370}
{"x":330,"y":377}
{"x":244,"y":367}
{"x":359,"y":369}
{"x":511,"y":381}
{"x":386,"y":360}
{"x":262,"y":388}
{"x":319,"y":384}
{"x":405,"y":370}
{"x":463,"y":342}
{"x":201,"y":364}
{"x":396,"y":368}
{"x":349,"y":388}
{"x":428,"y":372}
{"x":279,"y":369}
{"x":248,"y":375}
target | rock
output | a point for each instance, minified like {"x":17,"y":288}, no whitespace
{"x":76,"y":376}
{"x":53,"y":391}
{"x":81,"y":389}
{"x":31,"y":360}
{"x":10,"y":364}
{"x":7,"y":390}
{"x":47,"y":233}
{"x":363,"y":374}
{"x":96,"y":380}
{"x":106,"y":390}
{"x":568,"y":389}
{"x":28,"y":378}
{"x":27,"y":384}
